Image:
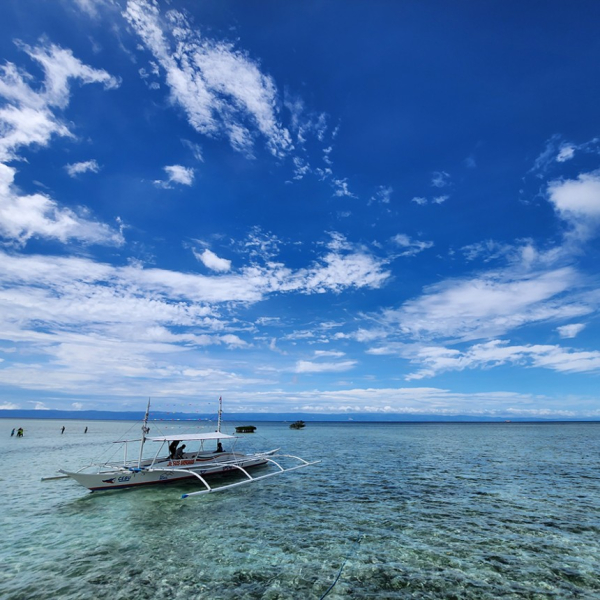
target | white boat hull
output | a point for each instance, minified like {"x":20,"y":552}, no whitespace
{"x":166,"y":471}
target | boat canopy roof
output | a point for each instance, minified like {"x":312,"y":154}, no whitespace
{"x":192,"y":437}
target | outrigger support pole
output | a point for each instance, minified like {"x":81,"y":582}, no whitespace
{"x":249,"y":479}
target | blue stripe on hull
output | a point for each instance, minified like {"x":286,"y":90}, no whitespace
{"x":130,"y":485}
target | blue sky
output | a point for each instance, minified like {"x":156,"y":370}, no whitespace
{"x":327,"y":207}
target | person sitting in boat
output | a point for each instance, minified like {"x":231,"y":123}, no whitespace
{"x":179,"y":453}
{"x":173,"y":448}
{"x":219,"y":447}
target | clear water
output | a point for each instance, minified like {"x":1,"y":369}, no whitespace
{"x":393,"y":511}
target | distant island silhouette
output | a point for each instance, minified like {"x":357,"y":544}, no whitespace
{"x":102,"y":415}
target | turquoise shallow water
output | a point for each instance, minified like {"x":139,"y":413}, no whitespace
{"x":395,"y":510}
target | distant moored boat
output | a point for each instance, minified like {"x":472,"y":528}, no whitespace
{"x":245,"y":429}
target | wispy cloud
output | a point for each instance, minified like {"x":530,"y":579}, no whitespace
{"x":88,"y":166}
{"x":28,"y":118}
{"x":305,"y":366}
{"x":470,"y":162}
{"x":440,"y":179}
{"x":80,"y":289}
{"x":383,"y":194}
{"x":490,"y":304}
{"x":422,"y":200}
{"x":410,"y":247}
{"x":496,"y":353}
{"x":23,"y":217}
{"x":222,"y":90}
{"x":341,"y":188}
{"x":80,"y":321}
{"x":9,"y":406}
{"x":558,"y":150}
{"x":92,"y":7}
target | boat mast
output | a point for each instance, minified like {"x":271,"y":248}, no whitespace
{"x":220,"y":412}
{"x":145,"y":431}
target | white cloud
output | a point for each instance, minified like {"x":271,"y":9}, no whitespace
{"x":301,"y":168}
{"x":233,"y":341}
{"x":9,"y":406}
{"x":84,"y":290}
{"x":176,"y":174}
{"x":419,"y":200}
{"x":222,"y":90}
{"x":490,"y":304}
{"x":427,"y":400}
{"x":341,"y":188}
{"x":565,"y":153}
{"x":577,"y":201}
{"x":570,"y":331}
{"x":336,"y":272}
{"x":37,"y":215}
{"x":305,"y":366}
{"x":495,"y":353}
{"x":77,"y":322}
{"x":27,"y":119}
{"x":338,"y":242}
{"x":212,"y":261}
{"x":82,"y":167}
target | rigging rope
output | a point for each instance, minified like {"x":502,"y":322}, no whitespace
{"x":352,"y":552}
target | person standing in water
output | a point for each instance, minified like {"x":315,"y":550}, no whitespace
{"x":62,"y":430}
{"x":20,"y":432}
{"x":85,"y":431}
{"x":12,"y":432}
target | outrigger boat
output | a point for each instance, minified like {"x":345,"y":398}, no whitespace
{"x":179,"y":465}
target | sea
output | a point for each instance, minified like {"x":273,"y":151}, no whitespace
{"x":393,"y":510}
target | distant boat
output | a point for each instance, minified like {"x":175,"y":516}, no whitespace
{"x":245,"y":429}
{"x":298,"y":425}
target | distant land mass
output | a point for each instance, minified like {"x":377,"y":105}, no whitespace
{"x":100,"y":415}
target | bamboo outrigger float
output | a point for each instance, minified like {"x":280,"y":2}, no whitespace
{"x":180,"y":465}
